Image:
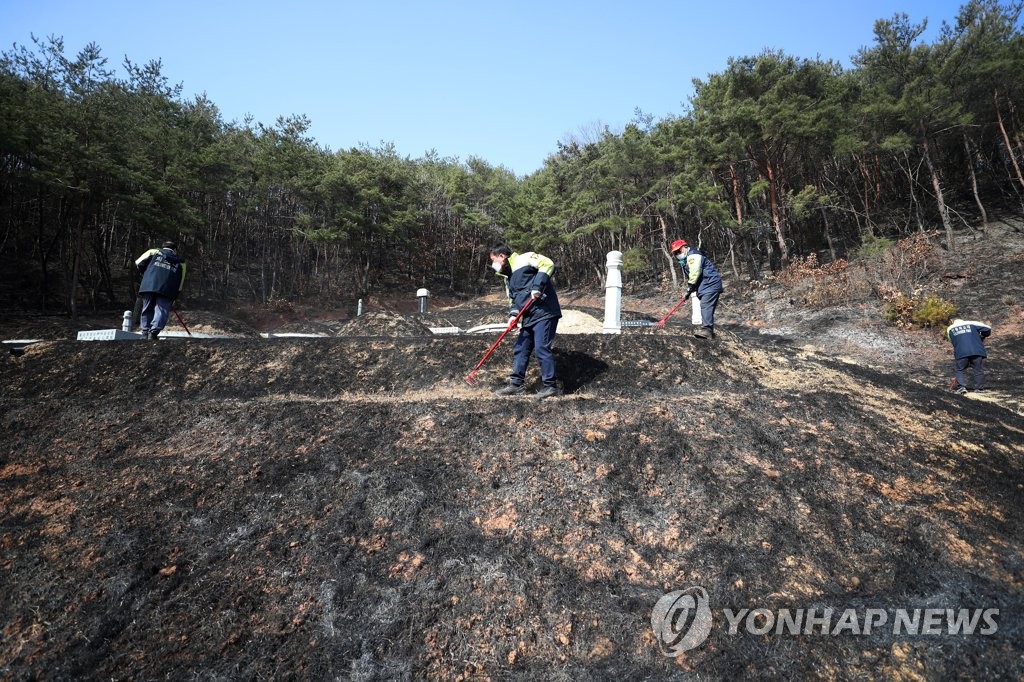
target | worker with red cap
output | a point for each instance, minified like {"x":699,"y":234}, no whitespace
{"x":703,"y":281}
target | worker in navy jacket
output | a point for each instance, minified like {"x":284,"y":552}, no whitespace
{"x":163,"y":276}
{"x":528,"y":281}
{"x":967,"y":337}
{"x":702,"y":280}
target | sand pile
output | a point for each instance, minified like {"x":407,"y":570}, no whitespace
{"x":576,"y":322}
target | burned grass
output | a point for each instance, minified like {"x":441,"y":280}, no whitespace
{"x":348,"y":507}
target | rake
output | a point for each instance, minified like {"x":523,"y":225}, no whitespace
{"x":178,"y":315}
{"x":472,"y":379}
{"x":661,"y":322}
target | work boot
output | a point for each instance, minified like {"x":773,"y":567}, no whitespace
{"x":704,"y":334}
{"x":960,"y":390}
{"x":548,"y":392}
{"x":511,"y":389}
{"x":153,"y":334}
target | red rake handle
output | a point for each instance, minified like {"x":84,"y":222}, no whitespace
{"x":661,"y":322}
{"x":471,"y":377}
{"x":178,"y":315}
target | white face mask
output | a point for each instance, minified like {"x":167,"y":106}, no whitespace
{"x":496,"y":266}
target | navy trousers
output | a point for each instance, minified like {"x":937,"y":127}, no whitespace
{"x":155,"y":310}
{"x":537,"y":337}
{"x":708,"y":303}
{"x":961,"y":366}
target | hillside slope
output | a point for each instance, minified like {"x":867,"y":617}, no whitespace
{"x":347,"y":507}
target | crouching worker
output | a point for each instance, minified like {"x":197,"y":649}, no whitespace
{"x":967,"y":337}
{"x":528,"y":278}
{"x":702,"y":280}
{"x":163,"y":276}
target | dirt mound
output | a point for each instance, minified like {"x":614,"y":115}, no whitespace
{"x":611,"y":364}
{"x":467,"y":315}
{"x":347,"y":507}
{"x":59,"y":327}
{"x":208,"y":322}
{"x":383,"y":324}
{"x":307,"y":328}
{"x":53,"y":327}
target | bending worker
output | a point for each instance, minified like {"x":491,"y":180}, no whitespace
{"x":163,"y":276}
{"x":703,"y":280}
{"x":968,"y":339}
{"x":528,"y":277}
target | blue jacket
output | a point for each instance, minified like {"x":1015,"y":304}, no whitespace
{"x":701,"y":275}
{"x":163,"y":272}
{"x":966,"y":337}
{"x":531,"y":272}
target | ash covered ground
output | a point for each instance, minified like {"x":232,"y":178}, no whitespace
{"x":347,"y":507}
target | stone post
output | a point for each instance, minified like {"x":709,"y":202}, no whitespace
{"x":613,"y":294}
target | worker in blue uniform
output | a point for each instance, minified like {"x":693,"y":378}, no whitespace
{"x":163,"y":277}
{"x":528,"y":280}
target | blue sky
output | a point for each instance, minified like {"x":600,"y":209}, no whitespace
{"x":504,"y":81}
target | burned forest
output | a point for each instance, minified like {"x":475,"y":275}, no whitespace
{"x":345,"y":506}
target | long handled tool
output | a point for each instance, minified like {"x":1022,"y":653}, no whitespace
{"x":661,"y":322}
{"x":472,"y":378}
{"x":178,"y":315}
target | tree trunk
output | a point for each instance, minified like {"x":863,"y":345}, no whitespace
{"x":866,"y":175}
{"x":263,"y":282}
{"x":748,"y":256}
{"x":773,"y":198}
{"x":824,"y":221}
{"x":671,"y":260}
{"x":736,"y":192}
{"x":878,"y":178}
{"x":732,"y":253}
{"x":738,"y":205}
{"x":974,"y":184}
{"x":364,"y":284}
{"x":77,"y":262}
{"x":1006,"y":139}
{"x":44,"y":256}
{"x":911,"y":180}
{"x":937,"y":186}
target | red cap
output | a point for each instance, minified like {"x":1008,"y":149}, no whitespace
{"x":678,"y":245}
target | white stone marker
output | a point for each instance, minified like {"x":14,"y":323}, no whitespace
{"x":613,"y":294}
